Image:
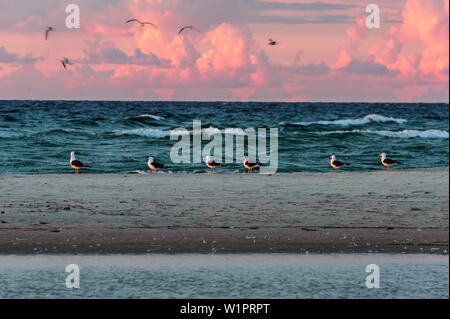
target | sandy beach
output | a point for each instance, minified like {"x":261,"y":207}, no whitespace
{"x":380,"y":211}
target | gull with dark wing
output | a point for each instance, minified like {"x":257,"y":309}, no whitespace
{"x":188,"y":27}
{"x":337,"y":164}
{"x":250,"y":165}
{"x":142,"y":24}
{"x":211,"y":163}
{"x":387,"y":162}
{"x":65,"y":62}
{"x":154,"y":166}
{"x":76,"y":165}
{"x":47,"y":31}
{"x":272,"y":42}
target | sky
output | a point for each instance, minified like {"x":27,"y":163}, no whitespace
{"x":324,"y":51}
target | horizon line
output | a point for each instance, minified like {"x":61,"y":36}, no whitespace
{"x":229,"y":101}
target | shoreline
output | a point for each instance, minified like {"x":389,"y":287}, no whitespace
{"x":170,"y":241}
{"x":238,"y":172}
{"x":397,"y":211}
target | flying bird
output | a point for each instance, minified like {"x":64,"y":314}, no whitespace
{"x":47,"y":31}
{"x":154,"y":166}
{"x":211,"y":164}
{"x":65,"y":62}
{"x":188,"y":27}
{"x":337,"y":164}
{"x":272,"y":42}
{"x":76,"y":164}
{"x":142,"y":23}
{"x":387,"y":162}
{"x":250,"y":165}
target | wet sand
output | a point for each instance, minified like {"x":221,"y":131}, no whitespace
{"x":380,"y":211}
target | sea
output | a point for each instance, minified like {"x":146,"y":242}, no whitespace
{"x":36,"y":137}
{"x":228,"y":276}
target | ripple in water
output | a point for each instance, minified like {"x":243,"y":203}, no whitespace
{"x":225,"y":276}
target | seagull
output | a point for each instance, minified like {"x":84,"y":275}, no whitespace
{"x":154,"y":166}
{"x":65,"y":62}
{"x":47,"y":31}
{"x":336,"y":164}
{"x":76,"y":164}
{"x":210,"y":163}
{"x":271,"y":42}
{"x":387,"y":162}
{"x":142,"y":23}
{"x":188,"y":27}
{"x":250,"y":165}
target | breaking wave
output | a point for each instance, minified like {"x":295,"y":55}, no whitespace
{"x":146,"y":132}
{"x":400,"y":134}
{"x":349,"y":122}
{"x":155,"y":117}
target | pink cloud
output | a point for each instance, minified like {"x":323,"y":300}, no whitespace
{"x":106,"y":30}
{"x":343,"y":60}
{"x":227,"y":59}
{"x":425,"y":22}
{"x":359,"y":31}
{"x":425,"y":28}
{"x":229,"y":52}
{"x":220,"y":55}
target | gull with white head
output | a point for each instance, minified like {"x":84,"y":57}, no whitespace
{"x":387,"y":162}
{"x":76,"y":165}
{"x":211,"y":163}
{"x":337,"y":164}
{"x":153,"y":165}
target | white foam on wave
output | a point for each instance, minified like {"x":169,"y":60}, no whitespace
{"x":146,"y":132}
{"x":157,"y":133}
{"x":414,"y":133}
{"x":235,"y":131}
{"x":348,"y":122}
{"x":155,"y":117}
{"x":213,"y":130}
{"x":401,"y":134}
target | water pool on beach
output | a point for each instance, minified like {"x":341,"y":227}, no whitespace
{"x":225,"y":276}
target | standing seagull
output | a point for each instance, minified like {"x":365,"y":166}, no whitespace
{"x":154,"y":166}
{"x":336,"y":164}
{"x":142,"y":23}
{"x":271,"y":42}
{"x":387,"y":162}
{"x":76,"y":164}
{"x":250,"y":165}
{"x":47,"y":31}
{"x":65,"y":62}
{"x":188,"y":27}
{"x":211,"y":164}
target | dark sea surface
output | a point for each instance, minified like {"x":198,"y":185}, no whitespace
{"x":225,"y":276}
{"x":37,"y":137}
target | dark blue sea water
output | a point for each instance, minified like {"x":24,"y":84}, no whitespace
{"x":38,"y":136}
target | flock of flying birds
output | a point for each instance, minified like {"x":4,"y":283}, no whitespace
{"x":155,"y":166}
{"x":66,"y":61}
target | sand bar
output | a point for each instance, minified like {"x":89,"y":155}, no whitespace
{"x":380,"y":211}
